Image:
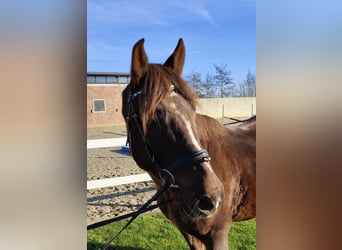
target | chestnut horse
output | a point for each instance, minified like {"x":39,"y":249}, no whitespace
{"x":212,"y":167}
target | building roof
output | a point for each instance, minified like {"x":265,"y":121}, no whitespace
{"x":108,"y":74}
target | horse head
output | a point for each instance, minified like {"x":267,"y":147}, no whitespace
{"x":159,"y":108}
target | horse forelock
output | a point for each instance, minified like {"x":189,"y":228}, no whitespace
{"x":156,"y":85}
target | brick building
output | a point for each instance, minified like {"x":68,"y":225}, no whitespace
{"x":104,"y":98}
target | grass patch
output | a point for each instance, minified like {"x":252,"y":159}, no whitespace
{"x":154,"y":231}
{"x":242,"y":235}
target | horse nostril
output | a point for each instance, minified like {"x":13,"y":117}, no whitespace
{"x":205,"y":204}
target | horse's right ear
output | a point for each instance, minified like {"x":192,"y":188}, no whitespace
{"x":139,"y":60}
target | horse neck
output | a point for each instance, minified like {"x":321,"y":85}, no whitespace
{"x":243,"y":135}
{"x":231,"y":142}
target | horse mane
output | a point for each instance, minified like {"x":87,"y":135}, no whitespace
{"x":156,"y":86}
{"x":210,"y":128}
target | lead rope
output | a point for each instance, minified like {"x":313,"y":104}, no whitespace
{"x":165,"y":186}
{"x":125,"y":216}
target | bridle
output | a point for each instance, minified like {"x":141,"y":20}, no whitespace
{"x":165,"y":172}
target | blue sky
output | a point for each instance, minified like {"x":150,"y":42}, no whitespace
{"x":214,"y":32}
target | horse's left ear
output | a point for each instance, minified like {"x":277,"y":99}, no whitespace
{"x":176,"y":60}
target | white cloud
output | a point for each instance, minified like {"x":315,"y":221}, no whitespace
{"x":127,"y":12}
{"x":148,"y":12}
{"x":195,"y":8}
{"x":206,"y":16}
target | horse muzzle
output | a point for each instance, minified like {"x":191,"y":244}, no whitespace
{"x":205,"y":206}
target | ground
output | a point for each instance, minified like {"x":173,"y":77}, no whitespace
{"x":103,"y":163}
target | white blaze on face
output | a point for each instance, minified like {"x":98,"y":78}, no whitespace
{"x":173,"y":93}
{"x":189,"y":131}
{"x":187,"y":127}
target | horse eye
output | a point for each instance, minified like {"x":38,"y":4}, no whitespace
{"x":159,"y":112}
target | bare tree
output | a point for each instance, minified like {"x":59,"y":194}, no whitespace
{"x":209,"y":86}
{"x":203,"y":88}
{"x":250,"y":83}
{"x":222,"y":78}
{"x":221,"y":84}
{"x":195,"y":80}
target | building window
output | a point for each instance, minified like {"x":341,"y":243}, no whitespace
{"x":99,"y":105}
{"x":100,"y":79}
{"x":108,"y":79}
{"x":123,"y":79}
{"x":91,"y":79}
{"x":112,"y":79}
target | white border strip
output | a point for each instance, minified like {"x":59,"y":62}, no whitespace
{"x":109,"y":182}
{"x":105,"y":143}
